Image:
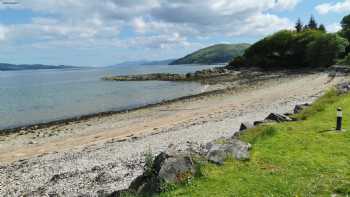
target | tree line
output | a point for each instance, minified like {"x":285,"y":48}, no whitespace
{"x":307,"y":45}
{"x":312,"y":25}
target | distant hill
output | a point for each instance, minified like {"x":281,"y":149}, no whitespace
{"x":145,"y":62}
{"x":14,"y":67}
{"x":220,"y":53}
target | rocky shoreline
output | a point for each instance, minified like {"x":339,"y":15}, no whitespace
{"x":110,"y":162}
{"x":200,"y":76}
{"x":229,"y":81}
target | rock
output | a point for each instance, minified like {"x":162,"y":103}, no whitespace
{"x":169,"y":168}
{"x":31,"y":142}
{"x":300,"y":108}
{"x":244,"y":126}
{"x":257,"y":123}
{"x":217,"y":154}
{"x":277,"y":118}
{"x":343,"y":88}
{"x":234,"y":147}
{"x":177,"y":169}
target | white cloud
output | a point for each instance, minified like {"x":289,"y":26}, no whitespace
{"x":334,"y":27}
{"x":162,"y":23}
{"x":339,"y":7}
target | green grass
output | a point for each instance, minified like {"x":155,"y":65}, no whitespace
{"x":303,"y":158}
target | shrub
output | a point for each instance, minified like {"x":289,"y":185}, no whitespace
{"x":149,"y":160}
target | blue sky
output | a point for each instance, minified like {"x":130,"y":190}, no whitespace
{"x":105,"y":32}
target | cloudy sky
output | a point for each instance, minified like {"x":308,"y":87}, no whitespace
{"x":105,"y":32}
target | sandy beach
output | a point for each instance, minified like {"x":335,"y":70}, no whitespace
{"x":104,"y":153}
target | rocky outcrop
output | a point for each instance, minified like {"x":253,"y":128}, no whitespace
{"x":196,"y":76}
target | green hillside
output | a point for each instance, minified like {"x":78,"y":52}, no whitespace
{"x":220,"y":53}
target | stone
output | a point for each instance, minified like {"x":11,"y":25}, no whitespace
{"x":246,"y":125}
{"x":217,"y":155}
{"x":234,"y":147}
{"x":31,"y":142}
{"x":177,"y":169}
{"x":256,"y":123}
{"x":343,"y":88}
{"x":300,"y":108}
{"x":278,"y":118}
{"x":168,"y":167}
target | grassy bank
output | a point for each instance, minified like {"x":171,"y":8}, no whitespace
{"x":303,"y":158}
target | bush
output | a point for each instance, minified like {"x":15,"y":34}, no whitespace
{"x":149,"y":160}
{"x":237,"y":62}
{"x":345,"y":61}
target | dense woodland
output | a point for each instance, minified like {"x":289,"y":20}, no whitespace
{"x":307,"y":46}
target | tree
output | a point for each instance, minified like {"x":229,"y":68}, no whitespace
{"x":345,"y":24}
{"x":299,"y":26}
{"x":312,"y":23}
{"x":326,"y":50}
{"x":345,"y":31}
{"x":322,"y":28}
{"x":290,"y":49}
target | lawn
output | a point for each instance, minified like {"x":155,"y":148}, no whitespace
{"x":303,"y":158}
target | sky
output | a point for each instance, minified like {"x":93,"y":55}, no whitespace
{"x":106,"y":32}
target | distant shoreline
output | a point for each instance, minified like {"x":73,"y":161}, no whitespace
{"x":22,"y":67}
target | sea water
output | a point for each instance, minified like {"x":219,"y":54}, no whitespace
{"x":39,"y":96}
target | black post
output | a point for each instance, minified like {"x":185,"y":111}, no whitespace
{"x":339,"y":119}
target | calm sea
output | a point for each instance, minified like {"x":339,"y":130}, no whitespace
{"x":29,"y":97}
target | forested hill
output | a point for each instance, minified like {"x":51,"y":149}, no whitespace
{"x":13,"y":67}
{"x":220,"y":53}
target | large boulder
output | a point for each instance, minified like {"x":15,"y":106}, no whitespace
{"x":235,"y":148}
{"x":167,"y":168}
{"x":278,"y":118}
{"x":177,"y":169}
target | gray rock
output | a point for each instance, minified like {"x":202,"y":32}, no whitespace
{"x":246,"y":125}
{"x":256,"y":123}
{"x":234,"y":147}
{"x":217,"y":154}
{"x":176,"y":169}
{"x":278,"y":118}
{"x":343,"y":88}
{"x":300,"y":108}
{"x":168,"y":167}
